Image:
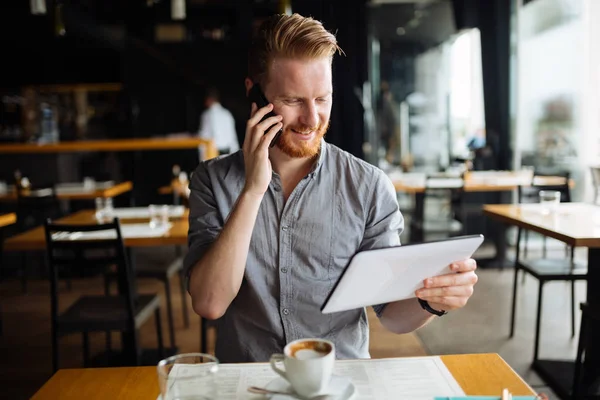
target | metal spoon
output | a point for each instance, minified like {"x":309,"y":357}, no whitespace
{"x":259,"y":390}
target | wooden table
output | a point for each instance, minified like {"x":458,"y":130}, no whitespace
{"x":34,"y":239}
{"x":477,"y":374}
{"x":484,"y":181}
{"x":107,"y":192}
{"x":126,"y":144}
{"x":577,"y":224}
{"x":7,"y":219}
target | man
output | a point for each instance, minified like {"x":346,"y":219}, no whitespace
{"x":217,"y":124}
{"x":272,"y":229}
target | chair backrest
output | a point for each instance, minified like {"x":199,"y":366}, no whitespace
{"x":91,"y":246}
{"x":531,"y":194}
{"x":35,"y":205}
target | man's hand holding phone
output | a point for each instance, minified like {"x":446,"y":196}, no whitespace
{"x":256,"y":149}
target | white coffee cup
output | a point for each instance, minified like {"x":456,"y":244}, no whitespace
{"x":308,"y":365}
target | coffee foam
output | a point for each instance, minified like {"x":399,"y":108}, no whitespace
{"x":309,"y":349}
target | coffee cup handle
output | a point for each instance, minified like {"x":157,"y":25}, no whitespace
{"x":275,"y":358}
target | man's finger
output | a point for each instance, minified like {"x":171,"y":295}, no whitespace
{"x":460,"y":279}
{"x":261,"y":112}
{"x":445,"y":291}
{"x":464,"y":266}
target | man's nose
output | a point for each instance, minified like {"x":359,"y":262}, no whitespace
{"x":310,"y":115}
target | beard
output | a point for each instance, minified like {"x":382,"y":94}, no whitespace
{"x":300,"y":148}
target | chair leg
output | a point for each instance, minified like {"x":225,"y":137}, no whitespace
{"x":170,"y":312}
{"x":572,"y":309}
{"x":526,"y":240}
{"x":54,"y":350}
{"x":578,"y":359}
{"x":184,"y":305}
{"x":24,"y":272}
{"x":538,"y":322}
{"x":159,"y":335}
{"x":86,"y":349}
{"x":515,"y":279}
{"x":107,"y":293}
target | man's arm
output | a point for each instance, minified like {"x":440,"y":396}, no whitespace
{"x":216,"y":278}
{"x":206,"y":130}
{"x":383,"y":229}
{"x":217,"y":273}
{"x":446,"y":292}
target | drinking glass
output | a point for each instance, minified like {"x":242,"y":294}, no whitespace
{"x":549,"y":199}
{"x":154,"y":216}
{"x":163,"y":215}
{"x":190,"y":376}
{"x":99,"y":209}
{"x":89,"y":183}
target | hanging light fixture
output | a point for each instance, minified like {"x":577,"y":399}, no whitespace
{"x":38,"y":7}
{"x":177,"y":9}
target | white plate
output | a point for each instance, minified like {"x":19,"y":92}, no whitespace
{"x":340,"y":386}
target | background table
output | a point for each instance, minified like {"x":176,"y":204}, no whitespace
{"x":34,"y":239}
{"x":109,"y":191}
{"x":7,"y":219}
{"x":577,"y":224}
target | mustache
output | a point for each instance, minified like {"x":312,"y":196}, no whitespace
{"x":305,"y":129}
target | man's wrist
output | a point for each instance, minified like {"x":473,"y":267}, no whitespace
{"x":427,"y":307}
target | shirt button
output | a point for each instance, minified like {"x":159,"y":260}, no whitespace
{"x":284,"y":228}
{"x":277,"y":188}
{"x":284,"y":270}
{"x":286,"y":311}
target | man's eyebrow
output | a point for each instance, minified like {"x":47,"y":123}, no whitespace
{"x":295,"y":96}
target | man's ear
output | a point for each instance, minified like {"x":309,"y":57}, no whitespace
{"x":248,"y":83}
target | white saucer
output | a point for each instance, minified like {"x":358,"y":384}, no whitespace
{"x":340,"y":386}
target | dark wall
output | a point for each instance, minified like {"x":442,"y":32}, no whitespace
{"x":33,"y":54}
{"x":348,"y":20}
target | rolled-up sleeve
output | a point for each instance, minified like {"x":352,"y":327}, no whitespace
{"x":385,"y":223}
{"x":204,"y":218}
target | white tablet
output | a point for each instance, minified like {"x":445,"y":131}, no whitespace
{"x":395,"y":273}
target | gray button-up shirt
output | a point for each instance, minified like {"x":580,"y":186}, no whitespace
{"x":298,"y":250}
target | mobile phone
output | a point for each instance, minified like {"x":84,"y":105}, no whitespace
{"x":257,"y":96}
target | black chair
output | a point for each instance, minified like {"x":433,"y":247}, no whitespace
{"x":546,"y":270}
{"x":587,"y":315}
{"x":531,"y":194}
{"x":163,"y":272}
{"x":125,"y":312}
{"x":33,"y":207}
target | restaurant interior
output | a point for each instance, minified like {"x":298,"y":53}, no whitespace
{"x":483,"y":114}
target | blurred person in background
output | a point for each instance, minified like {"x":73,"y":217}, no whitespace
{"x":217,"y":124}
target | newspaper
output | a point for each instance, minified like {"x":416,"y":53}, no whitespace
{"x":412,"y":378}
